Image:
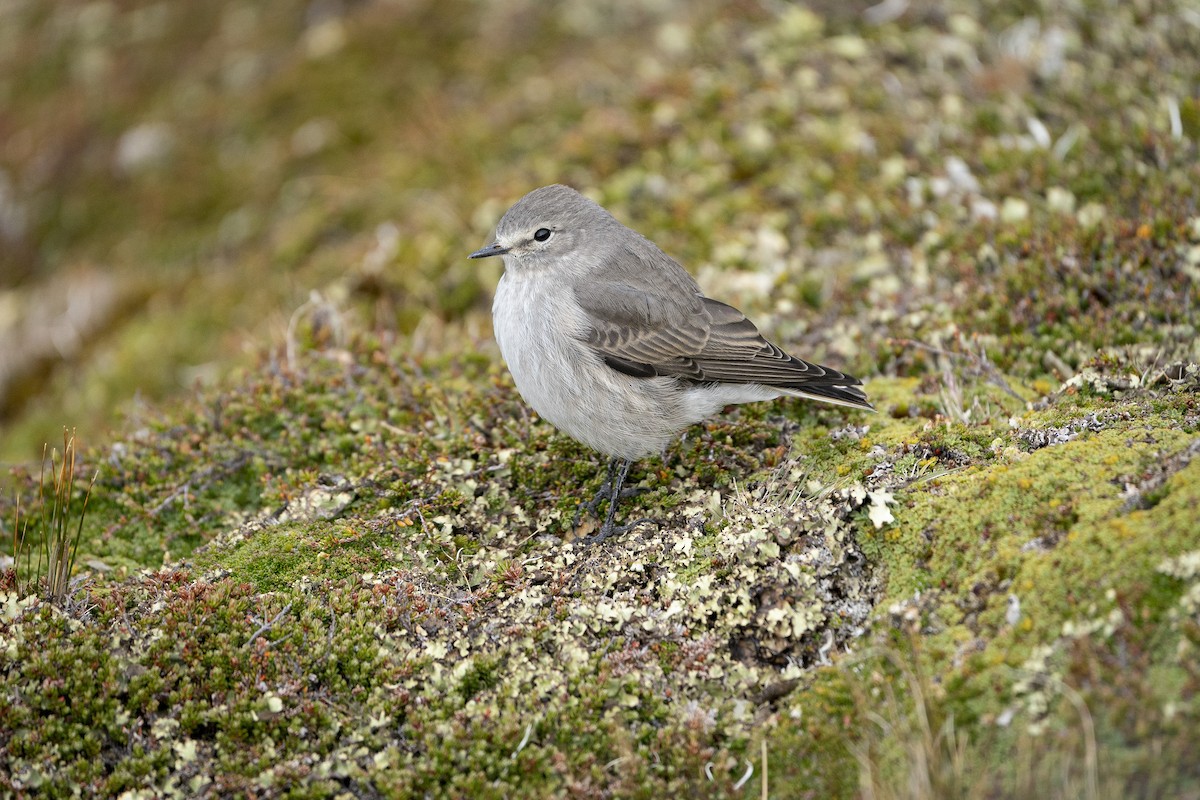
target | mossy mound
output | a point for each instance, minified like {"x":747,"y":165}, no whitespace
{"x":353,"y":567}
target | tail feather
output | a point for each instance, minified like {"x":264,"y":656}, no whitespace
{"x":842,"y":395}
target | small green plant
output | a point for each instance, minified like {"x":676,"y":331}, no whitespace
{"x":53,"y":527}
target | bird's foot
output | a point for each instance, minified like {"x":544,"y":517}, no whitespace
{"x":608,"y":529}
{"x":618,"y":470}
{"x":605,"y":491}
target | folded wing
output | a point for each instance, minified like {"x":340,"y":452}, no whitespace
{"x":688,"y":336}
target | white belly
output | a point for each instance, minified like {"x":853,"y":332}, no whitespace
{"x":538,"y":326}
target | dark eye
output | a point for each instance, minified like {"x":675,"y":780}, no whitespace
{"x":541,"y":234}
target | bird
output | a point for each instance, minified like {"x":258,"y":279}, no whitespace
{"x":612,"y":341}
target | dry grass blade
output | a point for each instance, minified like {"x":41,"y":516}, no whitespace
{"x":57,"y":530}
{"x":912,"y":749}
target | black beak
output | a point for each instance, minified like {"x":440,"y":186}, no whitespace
{"x":493,"y":249}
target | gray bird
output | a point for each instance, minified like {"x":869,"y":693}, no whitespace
{"x":613,"y":342}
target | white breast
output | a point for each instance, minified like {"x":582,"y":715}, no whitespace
{"x":538,"y":325}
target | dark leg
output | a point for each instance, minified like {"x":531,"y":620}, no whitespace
{"x":608,"y":529}
{"x":612,"y":490}
{"x":603,"y":492}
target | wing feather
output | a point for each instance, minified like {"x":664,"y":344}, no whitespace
{"x":645,"y":333}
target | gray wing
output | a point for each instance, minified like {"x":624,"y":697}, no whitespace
{"x":646,"y":333}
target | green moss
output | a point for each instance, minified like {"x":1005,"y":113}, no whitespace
{"x":373,"y":583}
{"x":1051,"y":496}
{"x":482,"y":675}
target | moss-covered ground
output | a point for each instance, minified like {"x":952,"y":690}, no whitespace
{"x":331,"y":553}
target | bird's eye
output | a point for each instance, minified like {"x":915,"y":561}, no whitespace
{"x":541,"y":234}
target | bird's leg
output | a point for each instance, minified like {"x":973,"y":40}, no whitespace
{"x":622,"y":474}
{"x":605,"y":489}
{"x":622,"y":466}
{"x":612,"y":490}
{"x":608,"y":529}
{"x":603,"y":493}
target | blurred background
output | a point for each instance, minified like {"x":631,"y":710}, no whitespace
{"x":180,"y":182}
{"x":177,"y":179}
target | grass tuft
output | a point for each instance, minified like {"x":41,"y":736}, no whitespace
{"x":55,"y":527}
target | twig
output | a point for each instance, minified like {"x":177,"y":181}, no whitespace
{"x":524,"y":741}
{"x":742,"y":780}
{"x":765,"y":782}
{"x":980,"y":361}
{"x":266,"y":626}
